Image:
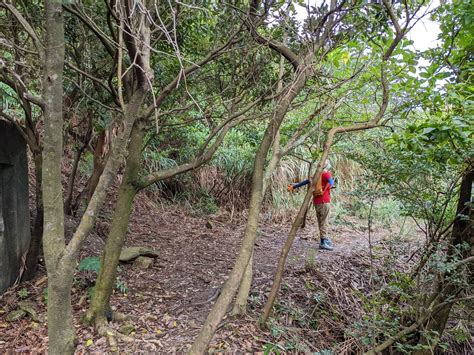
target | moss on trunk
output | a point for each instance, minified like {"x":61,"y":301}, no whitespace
{"x":118,"y":231}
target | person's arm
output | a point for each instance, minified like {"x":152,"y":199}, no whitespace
{"x":329,"y":180}
{"x":302,"y":183}
{"x":291,"y":187}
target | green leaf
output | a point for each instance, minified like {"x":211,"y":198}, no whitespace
{"x":91,"y":263}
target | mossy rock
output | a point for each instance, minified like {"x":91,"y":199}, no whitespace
{"x":126,"y":329}
{"x":13,"y":316}
{"x":143,"y":262}
{"x":29,"y":308}
{"x":131,"y":253}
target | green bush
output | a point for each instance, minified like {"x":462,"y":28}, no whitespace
{"x":199,"y":201}
{"x":385,"y":211}
{"x":206,"y":205}
{"x":92,"y":264}
{"x":338,"y":213}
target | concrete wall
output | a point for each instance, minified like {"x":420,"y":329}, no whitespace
{"x":14,"y":208}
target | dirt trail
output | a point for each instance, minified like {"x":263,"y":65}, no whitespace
{"x":168,"y":302}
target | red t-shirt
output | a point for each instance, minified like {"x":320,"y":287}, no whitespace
{"x":326,"y":184}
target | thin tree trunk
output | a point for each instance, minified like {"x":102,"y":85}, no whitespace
{"x":60,"y":327}
{"x":113,"y":246}
{"x":98,"y":167}
{"x":72,"y":179}
{"x":240,"y":304}
{"x":291,"y":236}
{"x":37,"y":233}
{"x":99,"y":164}
{"x":61,"y":258}
{"x":112,"y":251}
{"x":230,"y":287}
{"x":61,"y":333}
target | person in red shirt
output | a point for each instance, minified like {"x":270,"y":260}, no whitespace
{"x":322,"y":204}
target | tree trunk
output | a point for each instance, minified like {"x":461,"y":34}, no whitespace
{"x":128,"y":190}
{"x":438,"y":310}
{"x":61,"y":258}
{"x":99,"y":164}
{"x":60,"y":327}
{"x":240,"y":304}
{"x":37,"y":233}
{"x":230,"y":287}
{"x":61,"y":331}
{"x":302,"y":211}
{"x":72,"y":179}
{"x":98,"y":167}
{"x":113,"y":246}
{"x":291,"y":236}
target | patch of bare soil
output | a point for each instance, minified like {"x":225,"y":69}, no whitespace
{"x":168,"y":302}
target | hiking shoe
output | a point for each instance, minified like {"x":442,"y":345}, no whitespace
{"x":325,"y":244}
{"x":328,"y":241}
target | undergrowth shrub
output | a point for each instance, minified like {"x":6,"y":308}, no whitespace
{"x":199,"y":201}
{"x":87,"y":164}
{"x":339,"y":212}
{"x":91,"y":266}
{"x":386,"y":309}
{"x":385,"y":211}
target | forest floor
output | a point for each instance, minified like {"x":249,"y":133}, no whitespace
{"x":320,"y":302}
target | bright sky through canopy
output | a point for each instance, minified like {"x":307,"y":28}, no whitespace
{"x":423,"y":34}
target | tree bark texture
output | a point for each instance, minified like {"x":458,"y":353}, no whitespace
{"x":60,"y":327}
{"x":240,"y":304}
{"x":118,"y":231}
{"x":99,"y":163}
{"x":72,"y":179}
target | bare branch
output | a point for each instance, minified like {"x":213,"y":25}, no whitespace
{"x":388,"y":6}
{"x":173,"y":84}
{"x":90,"y":76}
{"x":34,"y":99}
{"x":31,"y":32}
{"x":275,"y":45}
{"x":119,"y":68}
{"x":107,"y":42}
{"x":204,"y":157}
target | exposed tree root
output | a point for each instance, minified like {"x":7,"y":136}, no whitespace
{"x":213,"y":297}
{"x":111,"y":335}
{"x":119,"y":317}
